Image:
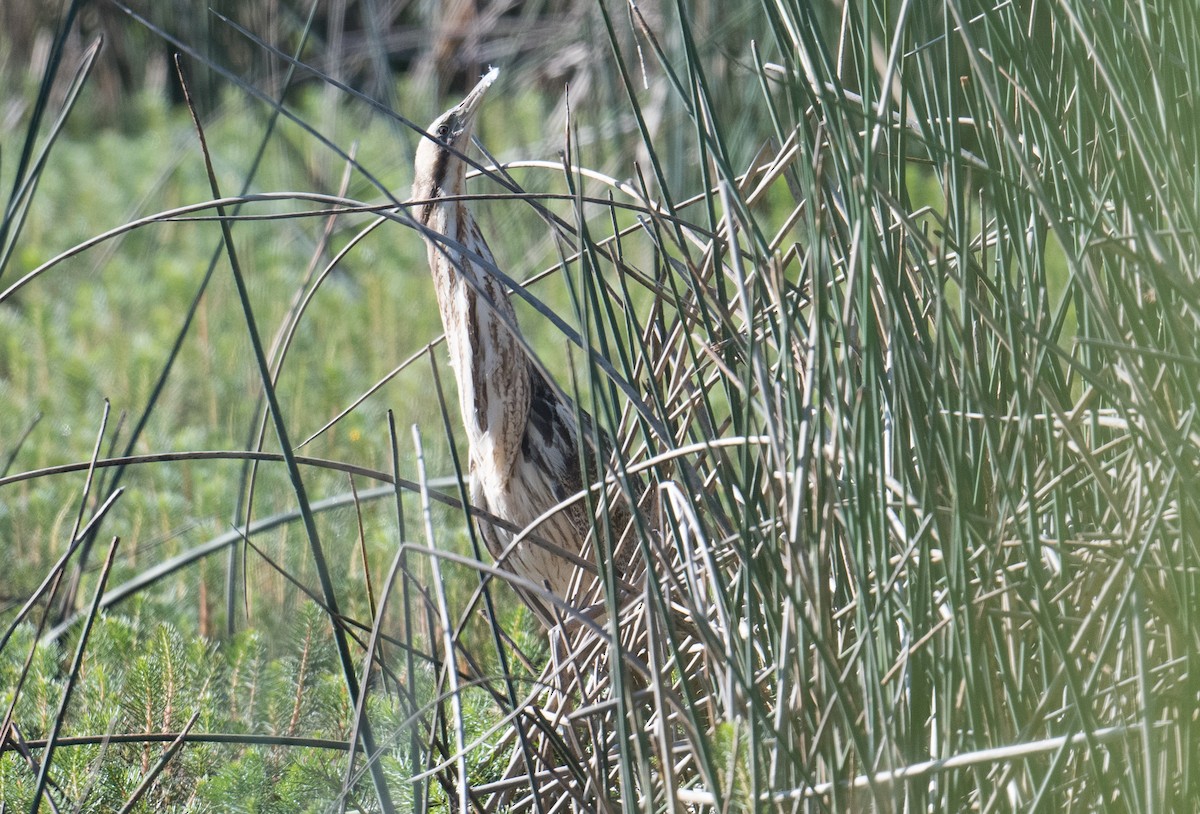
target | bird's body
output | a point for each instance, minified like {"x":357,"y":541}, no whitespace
{"x":523,"y":436}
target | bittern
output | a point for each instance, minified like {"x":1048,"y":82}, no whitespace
{"x":524,"y":438}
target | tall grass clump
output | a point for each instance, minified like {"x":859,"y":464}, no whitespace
{"x":890,"y":311}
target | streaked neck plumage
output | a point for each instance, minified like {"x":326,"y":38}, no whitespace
{"x":490,"y":365}
{"x":529,"y":449}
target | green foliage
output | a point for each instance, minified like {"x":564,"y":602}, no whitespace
{"x":150,"y":679}
{"x":898,"y":314}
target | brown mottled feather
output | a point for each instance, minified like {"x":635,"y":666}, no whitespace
{"x":523,"y":436}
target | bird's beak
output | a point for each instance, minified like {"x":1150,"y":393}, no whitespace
{"x":469,"y":106}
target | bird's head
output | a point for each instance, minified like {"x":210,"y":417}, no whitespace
{"x":439,"y":168}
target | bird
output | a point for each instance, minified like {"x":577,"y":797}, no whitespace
{"x":529,"y":446}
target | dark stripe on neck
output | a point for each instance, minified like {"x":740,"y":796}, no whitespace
{"x":438,"y":176}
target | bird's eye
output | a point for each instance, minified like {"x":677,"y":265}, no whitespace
{"x":447,"y":129}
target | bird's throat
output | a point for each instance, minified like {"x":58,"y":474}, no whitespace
{"x":490,"y":364}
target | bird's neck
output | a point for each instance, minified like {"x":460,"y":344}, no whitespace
{"x":490,"y":365}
